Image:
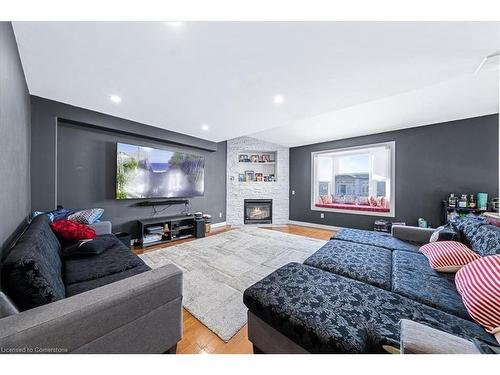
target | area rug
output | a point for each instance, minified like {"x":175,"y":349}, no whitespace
{"x":217,"y":269}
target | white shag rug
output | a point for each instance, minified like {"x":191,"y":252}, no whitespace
{"x":217,"y":269}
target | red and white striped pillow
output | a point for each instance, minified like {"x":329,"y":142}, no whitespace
{"x":479,"y":285}
{"x":448,"y":256}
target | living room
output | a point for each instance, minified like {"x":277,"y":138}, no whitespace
{"x":311,"y":187}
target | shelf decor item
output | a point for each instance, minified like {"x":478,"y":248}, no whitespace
{"x":241,"y":177}
{"x":249,"y":175}
{"x":254,"y":158}
{"x":243,"y":158}
{"x":265,"y":158}
{"x":482,"y":201}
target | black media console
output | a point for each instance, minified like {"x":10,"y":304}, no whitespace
{"x":159,"y":230}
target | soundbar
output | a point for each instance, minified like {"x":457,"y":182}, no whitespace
{"x":166,"y":202}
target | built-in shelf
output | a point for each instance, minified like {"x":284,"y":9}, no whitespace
{"x":256,"y":167}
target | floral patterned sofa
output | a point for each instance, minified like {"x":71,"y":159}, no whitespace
{"x":350,"y":296}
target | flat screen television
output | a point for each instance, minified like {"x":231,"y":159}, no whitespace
{"x":145,"y":172}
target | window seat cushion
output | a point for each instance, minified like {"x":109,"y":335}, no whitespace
{"x":354,"y":207}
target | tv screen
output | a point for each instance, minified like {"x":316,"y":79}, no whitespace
{"x":145,"y":172}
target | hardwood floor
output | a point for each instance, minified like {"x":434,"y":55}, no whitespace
{"x":198,"y":339}
{"x":320,"y":234}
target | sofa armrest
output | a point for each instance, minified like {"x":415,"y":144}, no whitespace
{"x":140,"y":314}
{"x":102,"y":227}
{"x":418,"y":338}
{"x":413,"y":234}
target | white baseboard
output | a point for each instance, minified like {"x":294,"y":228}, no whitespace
{"x":217,"y":225}
{"x":314,"y":225}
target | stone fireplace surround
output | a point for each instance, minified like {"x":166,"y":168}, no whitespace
{"x":237,"y":192}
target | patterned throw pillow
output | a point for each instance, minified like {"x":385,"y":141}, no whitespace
{"x":479,"y":285}
{"x":362,"y":201}
{"x":486,"y":240}
{"x":72,"y":231}
{"x":448,"y":256}
{"x":326,"y":199}
{"x":468,"y":226}
{"x":88,"y":217}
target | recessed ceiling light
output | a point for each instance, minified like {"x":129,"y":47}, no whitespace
{"x":278,"y":99}
{"x":175,"y":25}
{"x":204,"y":127}
{"x":115,"y":98}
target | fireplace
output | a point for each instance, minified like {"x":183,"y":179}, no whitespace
{"x":258,"y":211}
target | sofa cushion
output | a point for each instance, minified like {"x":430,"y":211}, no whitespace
{"x":365,"y":263}
{"x":445,"y":233}
{"x":378,"y":239}
{"x":327,"y":313}
{"x":486,"y":240}
{"x":84,"y":286}
{"x":117,"y":258}
{"x":31,"y":272}
{"x":413,"y":278}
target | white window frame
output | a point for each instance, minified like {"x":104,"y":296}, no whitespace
{"x":392,"y":202}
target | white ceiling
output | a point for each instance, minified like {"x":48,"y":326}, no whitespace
{"x":338,"y":79}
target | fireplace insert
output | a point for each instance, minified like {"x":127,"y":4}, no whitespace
{"x":258,"y":211}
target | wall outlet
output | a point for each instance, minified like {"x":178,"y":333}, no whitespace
{"x":322,"y":215}
{"x":293,"y":192}
{"x":220,"y":214}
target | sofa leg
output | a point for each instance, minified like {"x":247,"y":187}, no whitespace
{"x":172,"y":350}
{"x":256,"y":350}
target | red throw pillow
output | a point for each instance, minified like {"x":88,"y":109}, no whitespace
{"x":70,"y":230}
{"x":448,"y":256}
{"x":479,"y":285}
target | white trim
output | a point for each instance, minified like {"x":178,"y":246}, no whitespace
{"x":217,"y":225}
{"x":392,"y":200}
{"x":314,"y":225}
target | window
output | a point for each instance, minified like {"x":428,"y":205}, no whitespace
{"x":357,"y":180}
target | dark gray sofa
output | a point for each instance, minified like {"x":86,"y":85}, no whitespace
{"x":351,"y":295}
{"x":107,"y":303}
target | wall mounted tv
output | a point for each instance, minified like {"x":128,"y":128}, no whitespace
{"x":145,"y":172}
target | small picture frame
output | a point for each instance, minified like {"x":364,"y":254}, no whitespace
{"x":254,"y":158}
{"x":241,"y":177}
{"x":258,"y":177}
{"x":265,"y":158}
{"x":249,"y":175}
{"x":242,"y":158}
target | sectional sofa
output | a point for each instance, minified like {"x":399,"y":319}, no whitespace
{"x":106,"y":303}
{"x":352,"y":294}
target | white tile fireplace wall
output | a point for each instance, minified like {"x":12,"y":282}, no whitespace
{"x":237,"y":191}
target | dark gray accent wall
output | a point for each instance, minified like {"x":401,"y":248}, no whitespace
{"x":431,"y":161}
{"x":14,"y":137}
{"x":45,"y":116}
{"x":74,"y":163}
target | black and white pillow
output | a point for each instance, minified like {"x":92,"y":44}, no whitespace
{"x":445,"y":233}
{"x":87,"y":217}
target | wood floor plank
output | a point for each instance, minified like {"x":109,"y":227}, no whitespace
{"x":197,"y":338}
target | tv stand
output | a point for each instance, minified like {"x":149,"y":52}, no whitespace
{"x":165,"y":229}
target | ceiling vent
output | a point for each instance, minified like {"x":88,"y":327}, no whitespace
{"x":490,"y":62}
